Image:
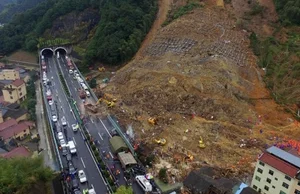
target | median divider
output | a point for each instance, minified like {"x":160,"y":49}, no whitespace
{"x":104,"y":172}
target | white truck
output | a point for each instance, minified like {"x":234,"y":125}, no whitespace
{"x":72,"y":147}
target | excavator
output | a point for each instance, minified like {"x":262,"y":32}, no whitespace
{"x":110,"y":104}
{"x":101,"y":69}
{"x":201,"y":143}
{"x":152,"y":121}
{"x":109,"y":97}
{"x":161,"y":141}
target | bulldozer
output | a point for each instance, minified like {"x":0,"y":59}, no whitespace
{"x":152,"y":121}
{"x":161,"y":141}
{"x":201,"y":143}
{"x":101,"y":69}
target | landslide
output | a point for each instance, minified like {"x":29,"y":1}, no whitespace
{"x":198,"y":77}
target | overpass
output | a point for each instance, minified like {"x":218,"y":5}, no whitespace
{"x":50,"y":51}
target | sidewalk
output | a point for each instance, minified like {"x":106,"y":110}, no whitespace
{"x":44,"y":143}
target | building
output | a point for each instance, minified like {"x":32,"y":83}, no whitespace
{"x":16,"y":152}
{"x":15,"y":91}
{"x":12,"y":130}
{"x":12,"y":111}
{"x":277,"y":172}
{"x":9,"y":74}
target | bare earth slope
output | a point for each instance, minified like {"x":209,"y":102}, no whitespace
{"x":198,"y":77}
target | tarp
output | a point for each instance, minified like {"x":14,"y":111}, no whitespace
{"x":126,"y":159}
{"x":118,"y":144}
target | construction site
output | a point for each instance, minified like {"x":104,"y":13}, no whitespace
{"x":195,"y":96}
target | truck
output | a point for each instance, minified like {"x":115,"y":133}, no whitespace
{"x":72,"y":147}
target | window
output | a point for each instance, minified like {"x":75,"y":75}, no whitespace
{"x":273,"y":186}
{"x":299,"y":183}
{"x":281,"y":192}
{"x":287,"y":178}
{"x":266,"y":188}
{"x":271,"y":172}
{"x":24,"y":130}
{"x":20,"y":93}
{"x":20,"y":89}
{"x":10,"y":92}
{"x":268,"y":180}
{"x":257,"y":178}
{"x":297,"y":191}
{"x":261,"y":163}
{"x":259,"y":170}
{"x":276,"y":179}
{"x":255,"y":187}
{"x":11,"y":97}
{"x":285,"y":185}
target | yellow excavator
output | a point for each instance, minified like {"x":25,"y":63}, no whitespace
{"x":109,"y":103}
{"x":161,"y":141}
{"x":101,"y":69}
{"x":201,"y":143}
{"x":152,"y":121}
{"x":109,"y":97}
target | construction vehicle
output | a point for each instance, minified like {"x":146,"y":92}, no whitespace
{"x":189,"y":158}
{"x":201,"y":143}
{"x":152,"y":121}
{"x":82,"y":94}
{"x":101,"y":69}
{"x":105,"y":80}
{"x":109,"y":97}
{"x":161,"y":141}
{"x":110,"y":104}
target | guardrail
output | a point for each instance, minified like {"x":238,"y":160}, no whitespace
{"x":82,"y":127}
{"x":50,"y":124}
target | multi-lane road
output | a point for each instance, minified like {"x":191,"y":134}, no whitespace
{"x":83,"y":160}
{"x":99,"y":128}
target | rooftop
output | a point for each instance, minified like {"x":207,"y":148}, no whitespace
{"x":17,"y":152}
{"x":18,"y":82}
{"x":13,"y":111}
{"x":13,"y":130}
{"x":126,"y":158}
{"x":7,"y":124}
{"x":279,"y":164}
{"x":290,"y":158}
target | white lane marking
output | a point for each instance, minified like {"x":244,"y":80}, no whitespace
{"x":105,"y":127}
{"x":96,"y":164}
{"x":72,"y":81}
{"x":63,"y":111}
{"x":111,"y":155}
{"x":59,"y":100}
{"x":74,"y":141}
{"x":56,"y":90}
{"x":82,"y":162}
{"x":68,"y":124}
{"x":58,"y":124}
{"x":92,"y":120}
{"x":100,"y":136}
{"x":53,"y":83}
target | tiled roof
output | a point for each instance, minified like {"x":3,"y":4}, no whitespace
{"x":279,"y":164}
{"x":295,"y":160}
{"x":14,"y":111}
{"x":18,"y":82}
{"x":14,"y":130}
{"x":17,"y":152}
{"x":7,"y":124}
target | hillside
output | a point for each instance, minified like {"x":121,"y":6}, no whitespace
{"x":199,"y":77}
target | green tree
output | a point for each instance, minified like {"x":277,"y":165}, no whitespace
{"x":162,"y":175}
{"x":124,"y":190}
{"x":24,"y":176}
{"x":93,"y":83}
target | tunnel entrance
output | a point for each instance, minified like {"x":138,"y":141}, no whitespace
{"x":62,"y":51}
{"x":47,"y":52}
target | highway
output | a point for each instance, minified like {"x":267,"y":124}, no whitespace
{"x":99,"y":128}
{"x":83,"y":160}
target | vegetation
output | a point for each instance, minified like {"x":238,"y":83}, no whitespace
{"x":162,"y":175}
{"x":288,"y":11}
{"x":93,"y":83}
{"x":121,"y":30}
{"x":31,"y":99}
{"x":173,"y":15}
{"x":24,"y":176}
{"x":124,"y":190}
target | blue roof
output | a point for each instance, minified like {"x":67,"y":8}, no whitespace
{"x":290,"y":158}
{"x":241,"y":187}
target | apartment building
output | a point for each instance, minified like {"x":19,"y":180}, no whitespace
{"x":9,"y":74}
{"x":277,"y":172}
{"x":15,"y":91}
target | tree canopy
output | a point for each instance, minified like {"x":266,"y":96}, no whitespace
{"x":289,"y":11}
{"x":124,"y":190}
{"x":24,"y":175}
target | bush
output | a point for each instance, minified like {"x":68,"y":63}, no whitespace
{"x":110,"y":181}
{"x":98,"y":159}
{"x":106,"y":174}
{"x":162,"y":175}
{"x":102,"y":166}
{"x":93,"y":147}
{"x":96,"y":153}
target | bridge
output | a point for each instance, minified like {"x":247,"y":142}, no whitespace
{"x":50,"y":51}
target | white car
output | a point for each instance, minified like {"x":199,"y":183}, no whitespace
{"x":62,"y":143}
{"x":75,"y":127}
{"x":81,"y":176}
{"x":88,"y":94}
{"x":44,"y":78}
{"x":54,"y":118}
{"x":60,"y":135}
{"x":48,"y":93}
{"x":63,"y":121}
{"x":50,"y":102}
{"x":75,"y":71}
{"x":70,"y":71}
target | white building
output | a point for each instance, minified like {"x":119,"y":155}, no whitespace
{"x":277,"y":172}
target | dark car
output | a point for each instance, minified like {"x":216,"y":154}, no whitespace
{"x":75,"y":184}
{"x":72,"y":169}
{"x":64,"y":151}
{"x":77,"y":191}
{"x":69,"y":157}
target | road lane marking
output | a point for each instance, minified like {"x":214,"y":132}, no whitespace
{"x":82,"y":162}
{"x":92,"y":120}
{"x":105,"y":127}
{"x":63,"y":111}
{"x":59,"y":100}
{"x":100,"y":136}
{"x":56,"y":90}
{"x":74,"y":141}
{"x":111,"y":155}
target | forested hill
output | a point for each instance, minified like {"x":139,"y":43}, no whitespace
{"x":122,"y":27}
{"x":5,"y":2}
{"x":13,"y":7}
{"x":288,"y":11}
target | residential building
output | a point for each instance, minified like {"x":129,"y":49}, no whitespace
{"x":277,"y":172}
{"x":12,"y":111}
{"x":15,"y":92}
{"x":12,"y":130}
{"x":9,"y":74}
{"x":16,"y":152}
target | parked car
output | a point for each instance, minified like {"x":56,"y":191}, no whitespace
{"x":62,"y":143}
{"x":63,"y":121}
{"x":68,"y":157}
{"x":75,"y":127}
{"x":60,"y":135}
{"x":88,"y":94}
{"x":50,"y":102}
{"x":75,"y":184}
{"x":54,"y":118}
{"x":77,"y":191}
{"x":81,"y":176}
{"x":64,"y":151}
{"x":70,"y":71}
{"x":72,"y":169}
